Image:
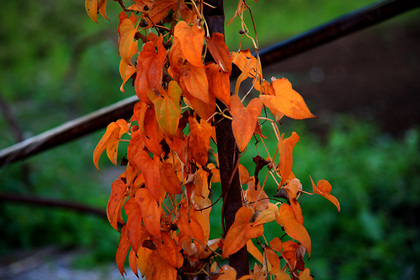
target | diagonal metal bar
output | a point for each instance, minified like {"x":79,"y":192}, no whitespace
{"x":335,"y":29}
{"x":328,"y":32}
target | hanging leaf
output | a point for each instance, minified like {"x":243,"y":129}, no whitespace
{"x":169,"y":179}
{"x":227,"y":273}
{"x":292,"y":189}
{"x":150,"y":169}
{"x":115,"y":203}
{"x":219,"y":81}
{"x":254,"y":251}
{"x":244,"y":120}
{"x":159,"y":10}
{"x":191,"y":40}
{"x":167,"y":108}
{"x":240,"y":232}
{"x":220,"y":52}
{"x":133,"y":212}
{"x":150,"y":211}
{"x":267,"y":215}
{"x":273,"y":261}
{"x":286,"y":157}
{"x":168,"y":249}
{"x":102,"y":8}
{"x":109,"y":138}
{"x":256,"y":197}
{"x":286,"y":101}
{"x":194,"y":79}
{"x":122,"y":251}
{"x":199,"y":140}
{"x":323,"y":187}
{"x":286,"y":218}
{"x":132,"y":262}
{"x":159,"y":268}
{"x":188,"y":224}
{"x":92,"y":9}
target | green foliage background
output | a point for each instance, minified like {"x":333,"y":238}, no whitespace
{"x":56,"y":65}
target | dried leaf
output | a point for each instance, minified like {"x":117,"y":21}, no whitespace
{"x":158,"y":268}
{"x":133,"y":226}
{"x":244,"y":120}
{"x":189,"y":225}
{"x":254,"y":251}
{"x":292,"y":189}
{"x":323,"y":187}
{"x":109,"y":138}
{"x":273,"y":261}
{"x":102,"y":8}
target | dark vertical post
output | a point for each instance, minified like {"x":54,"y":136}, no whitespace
{"x":227,"y":151}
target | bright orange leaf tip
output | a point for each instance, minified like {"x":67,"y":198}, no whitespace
{"x":286,"y":101}
{"x":92,"y":7}
{"x":323,"y":187}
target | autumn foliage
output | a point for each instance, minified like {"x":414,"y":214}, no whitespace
{"x":162,"y":202}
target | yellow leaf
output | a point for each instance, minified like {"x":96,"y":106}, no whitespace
{"x":92,"y":9}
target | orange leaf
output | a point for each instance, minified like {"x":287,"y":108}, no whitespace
{"x":305,"y":275}
{"x":219,"y":81}
{"x":286,"y":101}
{"x":240,"y":232}
{"x":292,"y":188}
{"x":112,"y":147}
{"x":160,"y":9}
{"x":133,"y":212}
{"x":115,"y":202}
{"x":220,"y":51}
{"x":199,"y":140}
{"x":122,"y":251}
{"x":267,"y":215}
{"x":158,"y":268}
{"x":323,"y":187}
{"x":293,"y":228}
{"x":254,"y":251}
{"x":127,"y":45}
{"x":256,"y":197}
{"x":286,"y":157}
{"x":150,"y":168}
{"x":244,"y":120}
{"x":152,"y":131}
{"x":227,"y":273}
{"x":195,"y":81}
{"x":169,"y":180}
{"x":168,"y":249}
{"x":168,"y":108}
{"x":273,"y":261}
{"x":191,"y":40}
{"x":92,"y":9}
{"x":188,"y":224}
{"x":142,"y":259}
{"x":150,"y":211}
{"x":132,"y":261}
{"x":111,"y":135}
{"x":126,"y":71}
{"x":102,"y":8}
{"x":248,"y":65}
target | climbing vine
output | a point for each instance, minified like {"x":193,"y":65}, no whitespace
{"x":181,"y":69}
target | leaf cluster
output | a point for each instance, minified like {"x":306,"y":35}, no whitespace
{"x":161,"y":204}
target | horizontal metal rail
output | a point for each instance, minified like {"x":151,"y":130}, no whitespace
{"x":328,"y":32}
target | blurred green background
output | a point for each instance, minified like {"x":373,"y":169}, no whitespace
{"x":56,"y":65}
